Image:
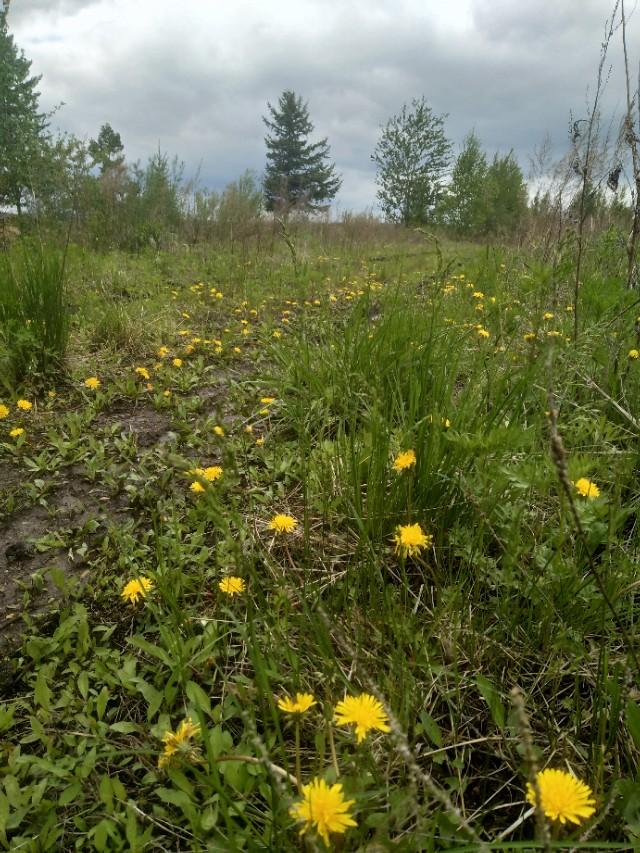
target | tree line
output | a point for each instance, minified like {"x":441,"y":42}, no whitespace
{"x":419,"y":180}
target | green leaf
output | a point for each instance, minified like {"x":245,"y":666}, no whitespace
{"x":431,"y":728}
{"x":41,"y":693}
{"x":196,"y":694}
{"x":69,"y":794}
{"x":150,"y":649}
{"x":492,"y":697}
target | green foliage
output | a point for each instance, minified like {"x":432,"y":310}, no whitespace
{"x":297,"y":175}
{"x":319,"y":381}
{"x":412,"y":157}
{"x":106,"y":150}
{"x":34,"y":314}
{"x":506,"y":196}
{"x":465,"y":203}
{"x":22,"y":126}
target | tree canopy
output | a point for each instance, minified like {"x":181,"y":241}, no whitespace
{"x":22,"y":126}
{"x":413,"y":156}
{"x":298,"y":174}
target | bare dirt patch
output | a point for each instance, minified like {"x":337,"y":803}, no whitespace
{"x":36,"y":540}
{"x":148,"y":425}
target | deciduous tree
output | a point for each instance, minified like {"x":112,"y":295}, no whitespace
{"x":413,"y":156}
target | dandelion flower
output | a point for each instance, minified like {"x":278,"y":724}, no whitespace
{"x":483,"y":333}
{"x":4,"y":411}
{"x":15,"y":433}
{"x":218,"y":431}
{"x":267,"y":400}
{"x":143,"y":372}
{"x":136,"y":588}
{"x":587,"y":488}
{"x":404,"y":460}
{"x":211,"y":474}
{"x":548,"y":315}
{"x":410,"y":539}
{"x":24,"y":405}
{"x":232,"y":585}
{"x":281,"y":523}
{"x":563,"y":797}
{"x":177,"y":362}
{"x":299,"y":705}
{"x":634,"y":353}
{"x":259,"y":441}
{"x":163,"y":352}
{"x":93,"y":383}
{"x":365,"y":711}
{"x":196,"y":487}
{"x":323,"y":808}
{"x":178,"y":744}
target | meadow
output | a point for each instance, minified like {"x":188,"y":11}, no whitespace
{"x":320,"y":542}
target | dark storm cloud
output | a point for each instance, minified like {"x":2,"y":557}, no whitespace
{"x":196,"y":79}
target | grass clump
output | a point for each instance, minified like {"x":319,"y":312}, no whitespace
{"x":34,"y":313}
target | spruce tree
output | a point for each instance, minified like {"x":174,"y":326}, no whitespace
{"x":297,"y":173}
{"x":22,"y":127}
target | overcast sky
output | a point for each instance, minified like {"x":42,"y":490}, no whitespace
{"x":194,"y":76}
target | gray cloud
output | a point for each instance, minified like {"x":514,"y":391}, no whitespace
{"x":196,"y":78}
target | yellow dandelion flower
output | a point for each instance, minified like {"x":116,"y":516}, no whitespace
{"x":277,"y":334}
{"x":478,"y":294}
{"x":563,"y":797}
{"x":24,"y":405}
{"x":17,"y":432}
{"x":529,"y":336}
{"x":587,"y":488}
{"x":166,"y":393}
{"x":143,"y":372}
{"x":136,"y":588}
{"x":4,"y":411}
{"x":196,"y":487}
{"x":267,"y":400}
{"x":163,"y":352}
{"x":410,"y":539}
{"x":483,"y":333}
{"x":259,"y":441}
{"x":282,"y":523}
{"x":218,"y":431}
{"x":92,"y":383}
{"x":548,"y":315}
{"x":212,"y":473}
{"x":634,"y":353}
{"x":177,"y":362}
{"x":365,"y":712}
{"x":324,"y":809}
{"x":248,"y":429}
{"x":404,"y":460}
{"x":177,"y":745}
{"x":299,"y":705}
{"x":232,"y":585}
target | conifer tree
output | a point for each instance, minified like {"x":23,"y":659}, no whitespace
{"x":22,"y":127}
{"x":297,"y":173}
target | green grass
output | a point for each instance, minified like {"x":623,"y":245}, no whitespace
{"x":370,"y":358}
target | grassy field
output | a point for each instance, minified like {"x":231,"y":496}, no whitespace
{"x":216,"y":508}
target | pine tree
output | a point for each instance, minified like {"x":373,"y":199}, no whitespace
{"x":412,"y":156}
{"x":106,"y":150}
{"x":297,"y":173}
{"x":22,"y":127}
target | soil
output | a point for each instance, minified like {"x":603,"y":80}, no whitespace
{"x":26,"y":561}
